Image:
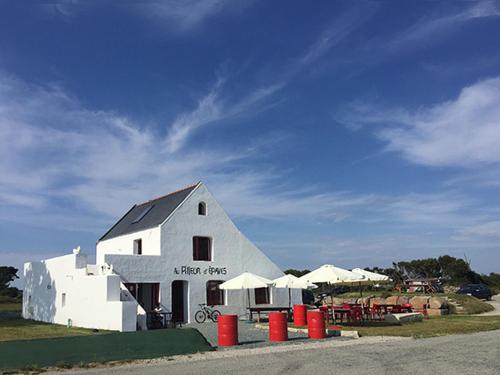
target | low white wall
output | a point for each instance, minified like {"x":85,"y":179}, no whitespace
{"x":90,"y":301}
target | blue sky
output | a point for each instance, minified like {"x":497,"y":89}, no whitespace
{"x":353,"y":133}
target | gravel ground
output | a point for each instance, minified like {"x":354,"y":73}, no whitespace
{"x":477,"y":353}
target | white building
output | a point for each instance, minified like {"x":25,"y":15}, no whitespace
{"x":174,"y":250}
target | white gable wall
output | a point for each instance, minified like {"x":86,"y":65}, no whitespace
{"x":233,"y":254}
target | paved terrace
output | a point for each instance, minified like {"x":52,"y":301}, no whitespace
{"x":251,"y":337}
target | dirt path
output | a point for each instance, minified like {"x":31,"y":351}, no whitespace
{"x":495,"y":302}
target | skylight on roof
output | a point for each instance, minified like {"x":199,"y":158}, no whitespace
{"x":142,"y":214}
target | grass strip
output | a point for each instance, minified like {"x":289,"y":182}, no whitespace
{"x":69,"y":351}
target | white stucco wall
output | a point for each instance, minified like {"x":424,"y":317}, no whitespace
{"x":91,"y":301}
{"x":233,"y":254}
{"x":124,"y":245}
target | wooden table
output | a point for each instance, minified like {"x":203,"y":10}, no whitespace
{"x":258,"y":310}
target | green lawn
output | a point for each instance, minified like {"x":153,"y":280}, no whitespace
{"x":13,"y":327}
{"x":26,"y":344}
{"x":471,"y":304}
{"x":78,"y":350}
{"x":435,"y":326}
{"x":20,"y":329}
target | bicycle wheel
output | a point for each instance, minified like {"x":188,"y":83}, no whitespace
{"x":215,"y":315}
{"x":200,"y":316}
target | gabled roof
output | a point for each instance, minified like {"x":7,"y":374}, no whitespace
{"x":149,"y":214}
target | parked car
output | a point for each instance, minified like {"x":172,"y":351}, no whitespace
{"x":476,"y":290}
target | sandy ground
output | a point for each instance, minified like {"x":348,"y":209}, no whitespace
{"x":477,"y":353}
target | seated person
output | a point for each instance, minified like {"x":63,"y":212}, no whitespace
{"x":157,"y":317}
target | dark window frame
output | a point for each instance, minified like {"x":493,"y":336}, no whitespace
{"x":202,"y":209}
{"x":201,"y":254}
{"x":138,"y":246}
{"x":215,"y":296}
{"x":262,"y":296}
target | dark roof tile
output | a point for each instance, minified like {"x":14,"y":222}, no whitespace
{"x":154,"y":213}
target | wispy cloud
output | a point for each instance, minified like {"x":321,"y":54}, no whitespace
{"x":66,"y":159}
{"x":213,"y":108}
{"x":428,"y":29}
{"x":463,"y":132}
{"x":487,"y":229}
{"x":187,"y":15}
{"x":432,"y":28}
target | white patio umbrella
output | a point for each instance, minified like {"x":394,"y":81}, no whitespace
{"x":332,"y":275}
{"x":368,"y":278}
{"x":246,"y":281}
{"x":292,"y":282}
{"x":371,"y":276}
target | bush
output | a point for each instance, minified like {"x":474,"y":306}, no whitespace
{"x":11,"y":292}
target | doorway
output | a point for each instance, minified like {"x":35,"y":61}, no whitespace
{"x":180,"y":301}
{"x":146,"y":294}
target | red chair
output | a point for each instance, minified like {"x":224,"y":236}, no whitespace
{"x":369,"y":312}
{"x":377,"y":311}
{"x":397,"y":309}
{"x":356,"y":314}
{"x":327,"y":312}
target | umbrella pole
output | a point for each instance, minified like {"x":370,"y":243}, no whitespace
{"x":289,"y":297}
{"x":331,"y":299}
{"x":248,"y":298}
{"x":362,"y":304}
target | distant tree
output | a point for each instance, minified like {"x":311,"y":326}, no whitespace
{"x":457,"y":271}
{"x":493,"y":279}
{"x":7,"y":275}
{"x":296,"y":273}
{"x":451,"y":270}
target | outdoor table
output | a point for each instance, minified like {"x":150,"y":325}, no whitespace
{"x":392,"y":308}
{"x":258,"y":310}
{"x":341,"y":312}
{"x":406,"y":307}
{"x":156,"y":317}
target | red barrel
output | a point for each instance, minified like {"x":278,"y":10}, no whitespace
{"x":227,"y":327}
{"x":299,"y":315}
{"x":316,"y":324}
{"x":278,"y":326}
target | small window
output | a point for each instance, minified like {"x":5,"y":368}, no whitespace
{"x":63,"y":301}
{"x":262,"y":296}
{"x":202,"y":209}
{"x":138,"y":247}
{"x":202,"y":248}
{"x":215,"y":296}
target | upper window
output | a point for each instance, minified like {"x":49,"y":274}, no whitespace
{"x":215,"y":296}
{"x":138,"y":247}
{"x":202,"y":248}
{"x":202,"y":209}
{"x":262,"y":296}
